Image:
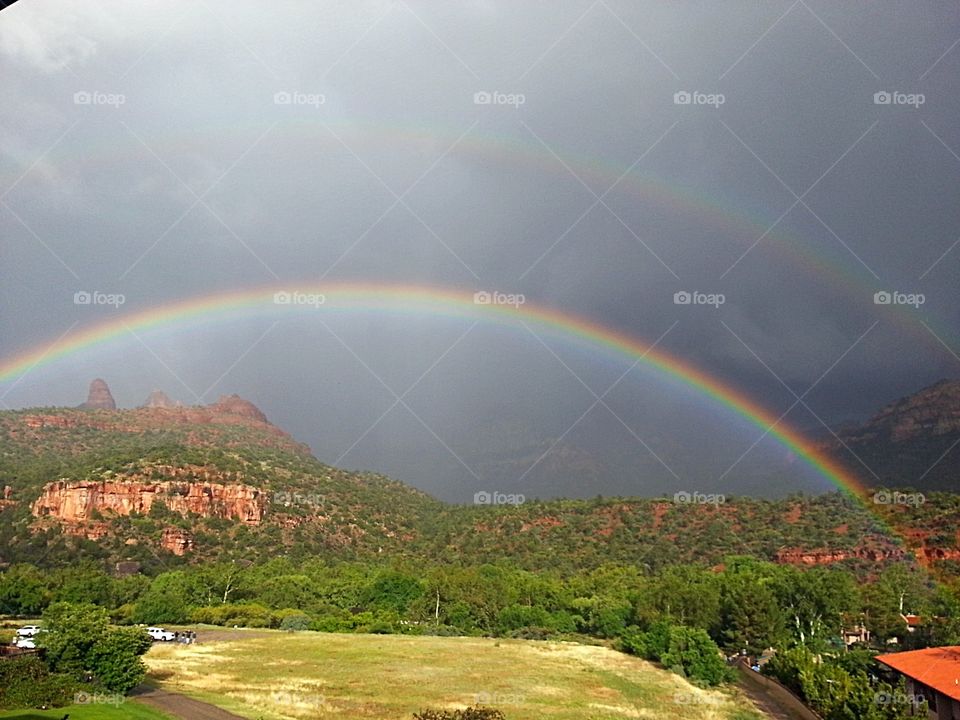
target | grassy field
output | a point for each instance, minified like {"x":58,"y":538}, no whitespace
{"x":280,"y":676}
{"x":127,"y":711}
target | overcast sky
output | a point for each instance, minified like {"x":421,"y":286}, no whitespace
{"x":598,"y":157}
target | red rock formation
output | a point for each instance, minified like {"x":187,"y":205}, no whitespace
{"x":146,"y":419}
{"x":75,"y":502}
{"x":799,"y":556}
{"x":177,"y":541}
{"x":547,"y":523}
{"x":158,"y":399}
{"x":99,"y":397}
{"x":236,"y":405}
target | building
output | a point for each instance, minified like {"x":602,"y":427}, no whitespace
{"x":932,"y":674}
{"x":856,"y":634}
{"x":911,"y":621}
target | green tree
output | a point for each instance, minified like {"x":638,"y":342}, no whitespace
{"x":23,"y":591}
{"x":815,"y":601}
{"x":79,"y":641}
{"x":115,"y":660}
{"x":71,"y":632}
{"x":753,"y":619}
{"x":692,"y":651}
{"x":684,"y":594}
{"x":168,"y":600}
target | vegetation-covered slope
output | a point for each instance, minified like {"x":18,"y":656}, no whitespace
{"x":221,"y":482}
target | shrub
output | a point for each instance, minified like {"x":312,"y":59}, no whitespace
{"x":686,"y":651}
{"x":242,"y":614}
{"x":295,"y":622}
{"x":697,"y":655}
{"x":115,"y":659}
{"x":471,"y":713}
{"x":25,"y":682}
{"x":80,"y":643}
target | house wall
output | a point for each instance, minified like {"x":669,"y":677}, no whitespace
{"x":946,"y":708}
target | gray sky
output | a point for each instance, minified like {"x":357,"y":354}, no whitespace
{"x":148,"y":149}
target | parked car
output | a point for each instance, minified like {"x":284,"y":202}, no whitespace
{"x":160,"y":634}
{"x":26,"y":643}
{"x":28,"y":631}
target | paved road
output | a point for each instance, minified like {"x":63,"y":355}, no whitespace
{"x":180,"y":705}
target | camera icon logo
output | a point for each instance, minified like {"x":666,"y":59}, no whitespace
{"x":281,"y":298}
{"x":82,"y":97}
{"x":882,"y":98}
{"x":82,"y":298}
{"x":682,"y":97}
{"x":882,"y":298}
{"x":682,"y":297}
{"x":482,"y":498}
{"x":482,"y":98}
{"x":482,"y":298}
{"x":282,"y":98}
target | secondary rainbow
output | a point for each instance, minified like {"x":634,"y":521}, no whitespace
{"x":729,"y":213}
{"x":423,"y":300}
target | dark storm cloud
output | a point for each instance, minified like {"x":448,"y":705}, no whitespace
{"x":620,"y":153}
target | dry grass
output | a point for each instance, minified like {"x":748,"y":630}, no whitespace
{"x":309,"y":675}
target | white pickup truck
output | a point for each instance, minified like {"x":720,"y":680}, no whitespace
{"x":160,"y":634}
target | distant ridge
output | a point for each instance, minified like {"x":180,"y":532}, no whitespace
{"x":911,"y":442}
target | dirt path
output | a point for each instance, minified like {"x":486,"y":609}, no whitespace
{"x":180,"y":705}
{"x":771,"y":699}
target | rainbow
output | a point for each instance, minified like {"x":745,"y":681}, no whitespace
{"x":443,"y":302}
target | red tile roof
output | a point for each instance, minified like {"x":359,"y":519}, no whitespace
{"x":938,"y":667}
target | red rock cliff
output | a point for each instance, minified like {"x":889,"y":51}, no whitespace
{"x":75,"y":501}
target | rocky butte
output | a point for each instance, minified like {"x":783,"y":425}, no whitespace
{"x":99,"y":397}
{"x":81,"y":505}
{"x":159,"y":399}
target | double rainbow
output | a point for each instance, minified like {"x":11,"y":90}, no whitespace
{"x":443,"y":302}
